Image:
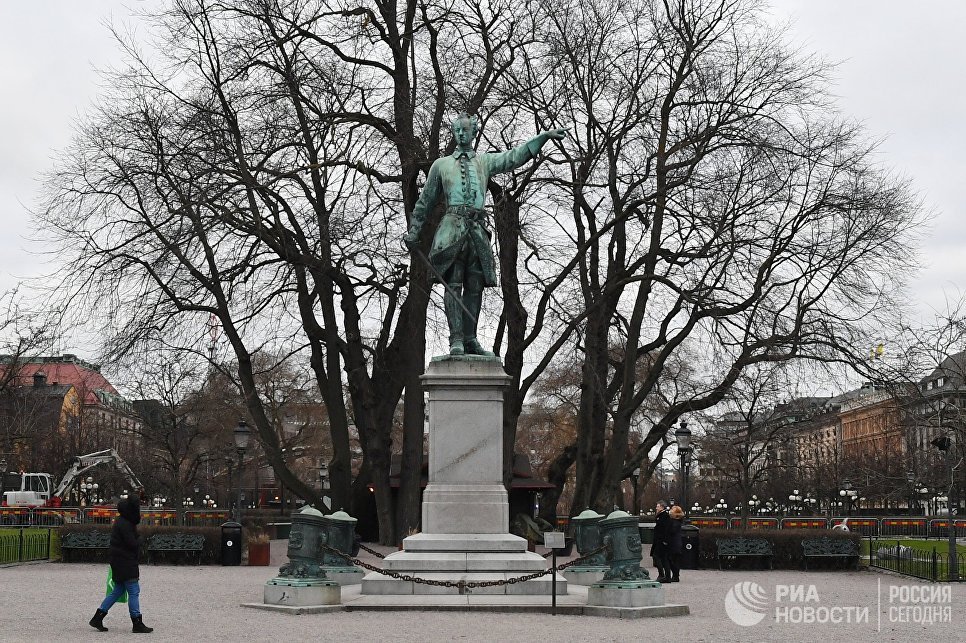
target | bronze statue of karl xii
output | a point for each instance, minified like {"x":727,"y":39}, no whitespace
{"x":461,"y":253}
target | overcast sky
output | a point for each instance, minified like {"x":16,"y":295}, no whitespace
{"x":901,"y":73}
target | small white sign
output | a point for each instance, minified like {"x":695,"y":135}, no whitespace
{"x":553,"y":539}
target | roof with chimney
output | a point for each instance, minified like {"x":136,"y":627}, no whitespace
{"x":68,"y":370}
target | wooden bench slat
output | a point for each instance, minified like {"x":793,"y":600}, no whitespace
{"x":92,"y":539}
{"x":744,"y":548}
{"x":825,"y":547}
{"x":177,"y":542}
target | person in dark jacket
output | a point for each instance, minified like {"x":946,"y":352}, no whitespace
{"x":124,"y":567}
{"x":675,"y":544}
{"x":659,"y":549}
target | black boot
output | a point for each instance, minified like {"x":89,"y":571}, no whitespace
{"x":139,"y":626}
{"x":473,"y":300}
{"x":98,"y":620}
{"x":454,"y":316}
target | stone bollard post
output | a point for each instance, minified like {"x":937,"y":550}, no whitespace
{"x":302,"y":581}
{"x":587,"y":538}
{"x":625,"y":584}
{"x":340,"y":529}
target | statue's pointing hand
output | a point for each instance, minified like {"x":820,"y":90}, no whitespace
{"x":557,"y":134}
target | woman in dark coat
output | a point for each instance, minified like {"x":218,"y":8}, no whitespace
{"x":124,"y":566}
{"x":674,"y":544}
{"x":659,"y":547}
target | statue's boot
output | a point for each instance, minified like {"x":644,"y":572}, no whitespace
{"x":473,"y":300}
{"x":454,"y":316}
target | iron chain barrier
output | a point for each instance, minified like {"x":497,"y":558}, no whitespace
{"x":371,"y":551}
{"x":461,"y":585}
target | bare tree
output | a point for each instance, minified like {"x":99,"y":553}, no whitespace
{"x":712,"y":204}
{"x":743,"y":448}
{"x":258,"y":169}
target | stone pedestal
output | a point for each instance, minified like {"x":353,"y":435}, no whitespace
{"x":301,"y":593}
{"x":644,"y":594}
{"x":465,"y":512}
{"x":344,"y":575}
{"x":585,"y":575}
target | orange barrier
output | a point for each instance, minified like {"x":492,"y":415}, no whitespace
{"x":756,"y":523}
{"x":205,"y":517}
{"x":804,"y":523}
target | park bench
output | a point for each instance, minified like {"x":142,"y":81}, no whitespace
{"x":830,"y":548}
{"x":735,"y":548}
{"x":176,"y":542}
{"x":92,"y":539}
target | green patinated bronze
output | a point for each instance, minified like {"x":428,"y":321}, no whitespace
{"x":341,"y":530}
{"x":619,"y":531}
{"x":304,"y":564}
{"x":587,"y":537}
{"x":461,"y":256}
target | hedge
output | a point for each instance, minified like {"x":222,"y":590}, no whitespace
{"x":210,"y":554}
{"x":787,"y":543}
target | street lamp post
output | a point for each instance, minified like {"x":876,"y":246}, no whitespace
{"x":683,"y":437}
{"x":635,"y":477}
{"x":911,"y":479}
{"x":241,"y":434}
{"x":3,"y":476}
{"x":849,"y":494}
{"x":945,"y":444}
{"x":795,"y":498}
{"x":324,"y":484}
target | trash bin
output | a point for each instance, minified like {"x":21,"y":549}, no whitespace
{"x":231,"y":543}
{"x":690,"y":547}
{"x":647,"y":532}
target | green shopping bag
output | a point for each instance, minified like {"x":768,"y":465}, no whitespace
{"x":110,"y":585}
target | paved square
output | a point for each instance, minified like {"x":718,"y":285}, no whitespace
{"x":53,"y":601}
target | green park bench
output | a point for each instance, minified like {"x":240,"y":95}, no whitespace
{"x":91,"y":540}
{"x":735,"y":548}
{"x":830,"y":548}
{"x":177,"y":542}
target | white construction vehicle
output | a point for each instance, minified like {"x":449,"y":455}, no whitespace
{"x":37,"y":490}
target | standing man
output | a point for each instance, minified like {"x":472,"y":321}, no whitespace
{"x":660,"y":549}
{"x":461,"y":255}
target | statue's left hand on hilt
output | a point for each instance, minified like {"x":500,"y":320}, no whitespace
{"x":410,"y":240}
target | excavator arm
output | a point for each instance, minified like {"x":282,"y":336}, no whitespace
{"x":84,"y":463}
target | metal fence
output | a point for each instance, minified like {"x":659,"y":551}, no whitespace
{"x":21,"y":544}
{"x":54,"y":517}
{"x":927,"y":564}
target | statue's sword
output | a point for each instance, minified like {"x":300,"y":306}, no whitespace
{"x":415,"y":249}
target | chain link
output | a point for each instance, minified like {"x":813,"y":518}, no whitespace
{"x":371,"y":551}
{"x":462,"y":585}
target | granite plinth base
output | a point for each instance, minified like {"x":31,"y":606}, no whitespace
{"x":585,"y":575}
{"x":300,"y":593}
{"x":344,"y":575}
{"x":643,"y":594}
{"x":465,"y":508}
{"x":466,"y":558}
{"x":382,"y":584}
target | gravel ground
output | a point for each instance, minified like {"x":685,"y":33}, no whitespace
{"x":53,"y":601}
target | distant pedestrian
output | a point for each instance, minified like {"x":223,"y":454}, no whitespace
{"x":659,"y":549}
{"x":124,"y":567}
{"x":675,"y":544}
